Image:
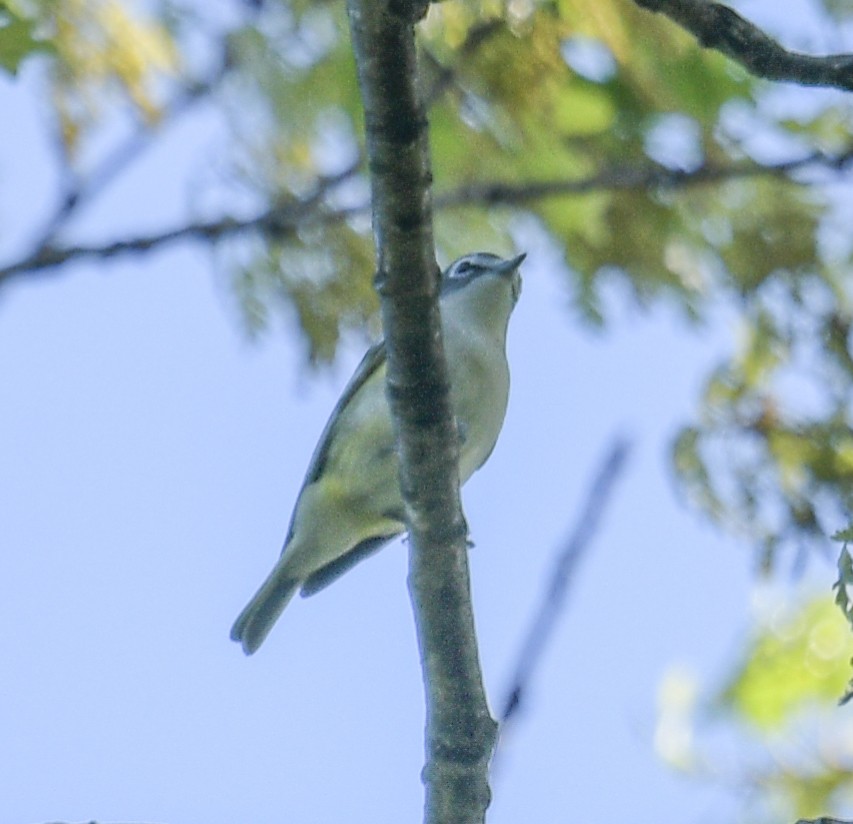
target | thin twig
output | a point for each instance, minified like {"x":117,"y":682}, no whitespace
{"x":652,"y":178}
{"x":562,"y":576}
{"x":280,"y":220}
{"x":445,"y":75}
{"x":81,"y":191}
{"x":285,"y":220}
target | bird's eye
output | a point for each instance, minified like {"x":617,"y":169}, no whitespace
{"x":463,"y":268}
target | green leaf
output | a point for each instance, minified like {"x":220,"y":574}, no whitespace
{"x":844,"y":584}
{"x":18,"y":39}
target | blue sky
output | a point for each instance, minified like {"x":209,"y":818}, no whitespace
{"x":149,"y":459}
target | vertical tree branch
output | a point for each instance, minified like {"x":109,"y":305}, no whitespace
{"x":460,"y":732}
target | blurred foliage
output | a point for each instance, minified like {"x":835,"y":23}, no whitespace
{"x":776,"y":415}
{"x":19,"y":36}
{"x":794,"y":662}
{"x":106,"y":53}
{"x":525,"y":93}
{"x":779,"y":709}
{"x":303,"y":276}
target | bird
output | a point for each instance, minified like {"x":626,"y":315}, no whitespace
{"x":350,"y":503}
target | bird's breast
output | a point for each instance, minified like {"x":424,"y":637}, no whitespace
{"x":479,"y":377}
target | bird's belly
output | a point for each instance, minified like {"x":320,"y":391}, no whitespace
{"x":479,"y":403}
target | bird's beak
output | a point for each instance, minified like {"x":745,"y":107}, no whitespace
{"x":509,"y":266}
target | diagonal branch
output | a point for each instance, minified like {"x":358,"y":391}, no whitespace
{"x":445,"y":76}
{"x":718,"y":27}
{"x":562,"y":576}
{"x":81,"y":190}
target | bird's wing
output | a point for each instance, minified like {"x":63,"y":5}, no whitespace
{"x":321,"y":578}
{"x":372,"y":360}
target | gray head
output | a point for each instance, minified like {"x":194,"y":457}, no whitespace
{"x":469,"y":268}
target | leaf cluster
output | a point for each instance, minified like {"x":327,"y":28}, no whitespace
{"x":779,"y":705}
{"x":20,"y":37}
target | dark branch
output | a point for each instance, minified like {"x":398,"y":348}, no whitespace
{"x":561,"y":579}
{"x":824,"y":820}
{"x":650,"y":178}
{"x":718,"y":27}
{"x":284,"y":220}
{"x":278,"y":221}
{"x":460,"y":732}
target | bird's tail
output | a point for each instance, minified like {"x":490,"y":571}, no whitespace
{"x":260,"y":614}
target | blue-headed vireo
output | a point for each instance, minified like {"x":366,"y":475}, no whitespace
{"x":350,"y":502}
